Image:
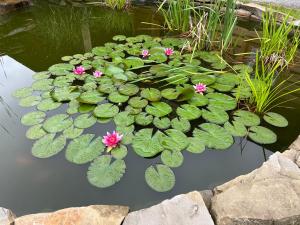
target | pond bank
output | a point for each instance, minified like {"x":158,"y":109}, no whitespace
{"x":267,"y":195}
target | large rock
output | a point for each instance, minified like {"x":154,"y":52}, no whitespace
{"x":10,"y":5}
{"x":90,"y":215}
{"x":185,"y":209}
{"x":270,"y":195}
{"x":6,"y":216}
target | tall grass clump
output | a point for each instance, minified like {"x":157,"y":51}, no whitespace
{"x":277,"y":44}
{"x":117,"y":4}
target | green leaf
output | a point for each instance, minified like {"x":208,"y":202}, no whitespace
{"x":119,"y":38}
{"x":162,"y":123}
{"x":84,"y":149}
{"x":214,"y":136}
{"x":158,"y":57}
{"x":84,"y":121}
{"x":138,"y":102}
{"x":90,"y":97}
{"x":159,"y":109}
{"x":103,"y":120}
{"x":57,"y":123}
{"x":196,"y":145}
{"x":247,"y":118}
{"x":223,"y":101}
{"x":203,"y":79}
{"x":175,"y":140}
{"x":73,"y":107}
{"x":133,"y":62}
{"x":143,"y":119}
{"x":181,"y":124}
{"x":119,"y":152}
{"x":127,"y":133}
{"x":41,"y":75}
{"x":65,"y":94}
{"x":146,"y":145}
{"x":215,"y":115}
{"x":128,"y":89}
{"x":85,"y":108}
{"x":276,"y":119}
{"x":123,"y":119}
{"x":116,"y":97}
{"x":33,"y":118}
{"x":170,"y":93}
{"x":30,"y":101}
{"x":198,"y":100}
{"x":48,"y":146}
{"x":262,"y":135}
{"x":35,"y":132}
{"x":132,"y":111}
{"x":106,"y":110}
{"x":111,"y":70}
{"x":61,"y":69}
{"x":103,"y":173}
{"x":23,"y":92}
{"x":42,"y":85}
{"x":237,"y":128}
{"x":151,"y":94}
{"x":172,"y":158}
{"x":107,"y":88}
{"x":160,"y":178}
{"x":185,"y":94}
{"x":72,"y":132}
{"x":48,"y":105}
{"x":189,"y":112}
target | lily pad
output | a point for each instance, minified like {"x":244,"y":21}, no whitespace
{"x":237,"y":128}
{"x":106,"y":110}
{"x":127,"y":133}
{"x":84,"y":121}
{"x":160,"y":178}
{"x":132,"y":111}
{"x":220,"y":100}
{"x":33,"y":118}
{"x":119,"y":152}
{"x":181,"y":124}
{"x":35,"y":132}
{"x":275,"y":119}
{"x":247,"y":118}
{"x":42,"y":85}
{"x":48,"y":105}
{"x":23,"y":92}
{"x":172,"y":158}
{"x":91,"y":97}
{"x":48,"y":146}
{"x":73,"y":107}
{"x":198,"y":100}
{"x":204,"y":79}
{"x":189,"y":112}
{"x":84,"y":149}
{"x":158,"y":109}
{"x":65,"y":94}
{"x":162,"y":123}
{"x":57,"y":123}
{"x":72,"y":132}
{"x":143,"y":119}
{"x":197,"y":145}
{"x":104,"y":173}
{"x":107,"y":88}
{"x":215,"y":115}
{"x":30,"y":101}
{"x":133,"y":62}
{"x":128,"y":89}
{"x":123,"y":119}
{"x":174,"y":140}
{"x":138,"y":102}
{"x":151,"y":94}
{"x":170,"y":93}
{"x":116,"y":97}
{"x":262,"y":135}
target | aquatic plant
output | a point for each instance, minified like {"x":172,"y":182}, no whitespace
{"x":150,"y":100}
{"x":117,"y":4}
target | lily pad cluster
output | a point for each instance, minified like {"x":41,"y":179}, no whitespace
{"x":152,"y":102}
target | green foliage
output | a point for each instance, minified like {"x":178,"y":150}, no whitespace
{"x":48,"y":146}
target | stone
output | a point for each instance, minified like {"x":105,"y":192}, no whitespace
{"x":185,"y":209}
{"x":90,"y":215}
{"x":207,"y":195}
{"x":269,"y":195}
{"x":6,"y":216}
{"x":243,"y":13}
{"x":11,"y":5}
{"x":296,"y":144}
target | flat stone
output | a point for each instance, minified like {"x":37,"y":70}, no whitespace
{"x":185,"y":209}
{"x":90,"y":215}
{"x":269,"y":195}
{"x":296,"y":144}
{"x":243,"y":13}
{"x":6,"y":216}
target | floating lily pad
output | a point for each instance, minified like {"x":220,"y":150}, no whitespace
{"x":203,"y":79}
{"x":104,"y":173}
{"x":106,"y":110}
{"x":158,"y":57}
{"x":247,"y":118}
{"x":198,"y":100}
{"x":91,"y":97}
{"x":181,"y":124}
{"x":189,"y":112}
{"x":174,"y":140}
{"x":151,"y":94}
{"x":48,"y":146}
{"x":160,"y":178}
{"x":170,"y":93}
{"x":41,"y":75}
{"x":33,"y":118}
{"x":30,"y":101}
{"x":127,"y":133}
{"x":48,"y":104}
{"x":42,"y":85}
{"x":133,"y":62}
{"x":143,"y":119}
{"x":65,"y":94}
{"x":116,"y":97}
{"x":119,"y":152}
{"x":158,"y":109}
{"x":119,"y":38}
{"x":72,"y":132}
{"x":147,"y":145}
{"x":35,"y":132}
{"x":57,"y":123}
{"x":107,"y":88}
{"x":73,"y":107}
{"x":276,"y":119}
{"x":123,"y":119}
{"x":172,"y":158}
{"x":128,"y":89}
{"x":132,"y":111}
{"x":84,"y":149}
{"x":237,"y":128}
{"x":85,"y":121}
{"x":23,"y":92}
{"x":162,"y":123}
{"x":197,"y":145}
{"x":61,"y":69}
{"x":223,"y":101}
{"x":138,"y":102}
{"x":215,"y":115}
{"x":262,"y":135}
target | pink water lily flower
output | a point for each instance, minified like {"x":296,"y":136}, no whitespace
{"x":111,"y":140}
{"x":97,"y":73}
{"x":200,"y":88}
{"x":169,"y":51}
{"x":79,"y":70}
{"x":145,"y":53}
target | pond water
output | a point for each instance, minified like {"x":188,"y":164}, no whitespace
{"x":37,"y":38}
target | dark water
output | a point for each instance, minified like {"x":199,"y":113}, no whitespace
{"x":37,"y":37}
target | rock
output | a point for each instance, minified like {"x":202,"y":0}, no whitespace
{"x":243,"y":13}
{"x":296,"y":144}
{"x":10,"y":5}
{"x":6,"y":216}
{"x":185,"y":209}
{"x":207,"y":195}
{"x":254,"y":9}
{"x":90,"y":215}
{"x":270,"y":195}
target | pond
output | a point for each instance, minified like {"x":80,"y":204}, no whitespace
{"x":38,"y":37}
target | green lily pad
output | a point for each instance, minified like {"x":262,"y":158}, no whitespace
{"x":158,"y":57}
{"x":174,"y":140}
{"x":72,"y":132}
{"x":133,"y":62}
{"x":116,"y":97}
{"x":197,"y":145}
{"x":223,"y":101}
{"x":73,"y":107}
{"x":214,"y":136}
{"x":138,"y":102}
{"x":181,"y":124}
{"x":42,"y":85}
{"x":143,"y":119}
{"x":147,"y":145}
{"x":41,"y":75}
{"x":33,"y":118}
{"x":151,"y":94}
{"x":90,"y":97}
{"x":57,"y":123}
{"x":159,"y":109}
{"x":104,"y":173}
{"x":30,"y":101}
{"x":237,"y":128}
{"x":203,"y":79}
{"x":64,"y":94}
{"x":48,"y":146}
{"x":106,"y":110}
{"x":132,"y":111}
{"x":243,"y":68}
{"x":119,"y":152}
{"x":170,"y":93}
{"x":48,"y":105}
{"x":128,"y":89}
{"x":35,"y":132}
{"x":275,"y":119}
{"x":215,"y":115}
{"x":119,"y":38}
{"x":85,"y":108}
{"x":23,"y":92}
{"x":107,"y":88}
{"x":123,"y":119}
{"x":247,"y":118}
{"x":189,"y":112}
{"x":162,"y":123}
{"x":198,"y":100}
{"x":127,"y":133}
{"x":85,"y":121}
{"x":160,"y":178}
{"x":172,"y":158}
{"x":262,"y":135}
{"x":84,"y":149}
